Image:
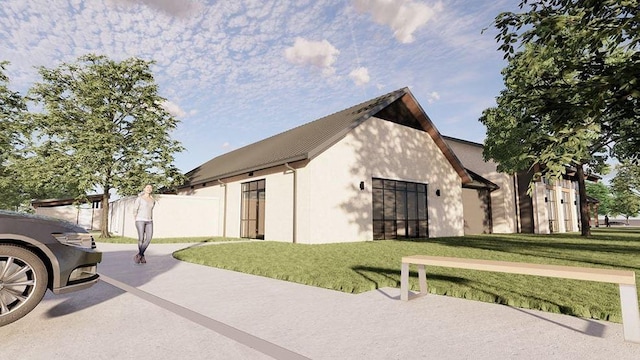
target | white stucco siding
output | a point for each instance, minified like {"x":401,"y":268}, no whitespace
{"x":173,"y":216}
{"x":334,"y":209}
{"x":503,"y":207}
{"x":279,"y":207}
{"x":278,"y":213}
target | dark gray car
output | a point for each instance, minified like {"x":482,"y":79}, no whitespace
{"x":39,"y":253}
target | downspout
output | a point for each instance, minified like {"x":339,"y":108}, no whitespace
{"x":224,"y":209}
{"x":295,"y":201}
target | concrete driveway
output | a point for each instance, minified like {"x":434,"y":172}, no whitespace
{"x":168,"y":309}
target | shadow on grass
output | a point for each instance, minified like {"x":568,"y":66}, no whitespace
{"x":588,"y":251}
{"x":391,"y":278}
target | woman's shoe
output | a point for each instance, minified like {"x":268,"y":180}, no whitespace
{"x":143,"y":260}
{"x":136,"y":259}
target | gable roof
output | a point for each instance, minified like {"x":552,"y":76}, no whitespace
{"x":309,"y":140}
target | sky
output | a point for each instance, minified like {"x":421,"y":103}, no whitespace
{"x":237,"y":71}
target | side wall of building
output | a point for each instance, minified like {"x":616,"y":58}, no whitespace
{"x":333,"y":208}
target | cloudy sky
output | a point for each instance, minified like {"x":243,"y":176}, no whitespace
{"x":237,"y":71}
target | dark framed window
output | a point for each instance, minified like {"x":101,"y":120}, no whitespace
{"x":252,"y":210}
{"x":399,"y":209}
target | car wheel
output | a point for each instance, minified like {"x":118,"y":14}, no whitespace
{"x":23,"y":282}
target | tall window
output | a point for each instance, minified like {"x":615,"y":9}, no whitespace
{"x":566,"y":207}
{"x":399,"y":209}
{"x":253,"y":205}
{"x":552,"y":210}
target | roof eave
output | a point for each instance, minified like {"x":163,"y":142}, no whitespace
{"x":248,"y":170}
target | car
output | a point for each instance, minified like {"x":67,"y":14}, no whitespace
{"x":39,"y":253}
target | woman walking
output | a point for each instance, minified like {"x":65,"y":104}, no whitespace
{"x":143,"y":213}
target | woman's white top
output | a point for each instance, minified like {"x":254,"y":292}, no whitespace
{"x":143,"y":209}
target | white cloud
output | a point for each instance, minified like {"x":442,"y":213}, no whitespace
{"x":320,"y":54}
{"x":404,"y":17}
{"x":171,"y":7}
{"x":434,"y":96}
{"x":173,"y":109}
{"x":360,"y":76}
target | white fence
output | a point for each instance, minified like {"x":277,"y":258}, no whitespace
{"x":82,"y":215}
{"x":173,"y":216}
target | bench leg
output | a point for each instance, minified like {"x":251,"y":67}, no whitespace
{"x":422,"y":279}
{"x":630,"y":312}
{"x":404,"y":282}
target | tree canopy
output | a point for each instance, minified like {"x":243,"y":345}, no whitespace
{"x":103,"y":126}
{"x":12,"y":128}
{"x":571,"y":89}
{"x":602,"y":193}
{"x":626,"y":190}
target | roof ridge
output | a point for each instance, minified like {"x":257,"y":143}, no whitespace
{"x":359,"y":108}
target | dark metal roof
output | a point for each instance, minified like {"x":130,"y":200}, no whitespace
{"x":68,"y":201}
{"x":302,"y":143}
{"x":480,"y":182}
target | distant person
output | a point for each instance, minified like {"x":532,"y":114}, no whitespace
{"x":143,"y":213}
{"x":606,"y":221}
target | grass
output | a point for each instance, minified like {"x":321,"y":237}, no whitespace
{"x":364,"y":266}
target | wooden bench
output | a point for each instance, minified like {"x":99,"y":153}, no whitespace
{"x":626,"y":279}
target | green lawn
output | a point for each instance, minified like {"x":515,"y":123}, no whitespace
{"x":364,"y":266}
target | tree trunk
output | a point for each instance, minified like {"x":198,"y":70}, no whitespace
{"x":104,"y":221}
{"x":584,"y":207}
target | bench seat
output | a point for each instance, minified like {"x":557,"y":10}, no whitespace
{"x":626,"y":280}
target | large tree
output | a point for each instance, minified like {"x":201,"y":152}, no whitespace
{"x":103,"y":126}
{"x":571,"y":89}
{"x":12,"y":128}
{"x":602,"y":193}
{"x":16,"y":186}
{"x":626,"y":190}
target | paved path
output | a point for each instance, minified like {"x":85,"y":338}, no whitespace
{"x":168,"y":309}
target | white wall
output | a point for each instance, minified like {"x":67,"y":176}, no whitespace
{"x":83,"y":215}
{"x":332,"y":208}
{"x":503,"y":206}
{"x":279,"y":203}
{"x":173,"y":216}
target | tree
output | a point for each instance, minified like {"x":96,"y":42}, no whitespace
{"x":104,"y":127}
{"x":626,"y":190}
{"x":12,"y":108}
{"x":16,"y":186}
{"x":571,"y":89}
{"x":602,"y":193}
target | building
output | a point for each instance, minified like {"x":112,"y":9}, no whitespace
{"x":510,"y":205}
{"x":491,"y":208}
{"x":377,"y":170}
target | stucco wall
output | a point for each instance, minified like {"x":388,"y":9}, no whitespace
{"x":334,"y":209}
{"x":84,"y":216}
{"x":503,"y":203}
{"x":173,"y":216}
{"x":278,"y":208}
{"x":476,"y":209}
{"x":503,"y":207}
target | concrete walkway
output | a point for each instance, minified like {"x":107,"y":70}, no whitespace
{"x":168,"y":309}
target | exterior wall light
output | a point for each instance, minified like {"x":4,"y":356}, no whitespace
{"x":437,"y":192}
{"x":361,"y":185}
